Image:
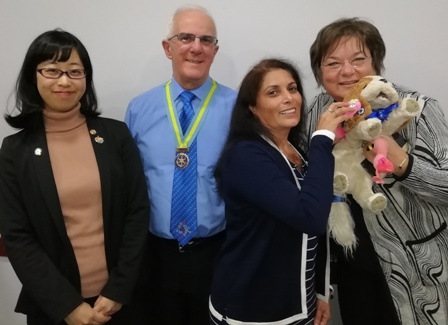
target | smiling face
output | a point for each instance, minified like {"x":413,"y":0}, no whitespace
{"x":348,"y":50}
{"x":191,"y":62}
{"x":278,"y":103}
{"x":61,"y":94}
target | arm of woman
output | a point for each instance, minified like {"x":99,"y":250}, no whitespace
{"x":41,"y":279}
{"x":323,"y":268}
{"x":122,"y":278}
{"x":424,"y":171}
{"x":258,"y":174}
{"x":428,"y":170}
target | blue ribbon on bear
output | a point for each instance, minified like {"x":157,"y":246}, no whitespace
{"x":383,"y":113}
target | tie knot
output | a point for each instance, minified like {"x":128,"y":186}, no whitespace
{"x":187,"y":97}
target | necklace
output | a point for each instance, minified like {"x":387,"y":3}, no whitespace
{"x":299,"y":165}
{"x":294,"y":157}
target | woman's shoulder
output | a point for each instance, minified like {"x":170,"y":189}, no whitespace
{"x":429,"y":106}
{"x":251,"y":152}
{"x":248,"y":146}
{"x":405,"y":92}
{"x":12,"y":139}
{"x":319,"y":102}
{"x":106,"y":122}
{"x":20,"y":137}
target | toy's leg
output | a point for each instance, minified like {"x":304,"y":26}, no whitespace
{"x":366,"y":130}
{"x":363,"y":194}
{"x":377,"y":202}
{"x":340,"y":183}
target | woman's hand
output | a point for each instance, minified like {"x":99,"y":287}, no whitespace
{"x":334,"y":116}
{"x":106,"y":306}
{"x":85,"y":315}
{"x":322,"y":313}
{"x":396,"y":155}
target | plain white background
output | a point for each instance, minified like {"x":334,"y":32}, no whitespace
{"x":124,"y":42}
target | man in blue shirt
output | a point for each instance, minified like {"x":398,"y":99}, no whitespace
{"x":181,"y":268}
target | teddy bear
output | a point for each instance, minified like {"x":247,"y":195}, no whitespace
{"x":378,"y":111}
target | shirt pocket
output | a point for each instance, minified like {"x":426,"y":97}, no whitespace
{"x":430,"y":256}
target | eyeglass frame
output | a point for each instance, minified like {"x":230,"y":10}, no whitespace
{"x":351,"y":62}
{"x":62,"y":72}
{"x":201,"y":37}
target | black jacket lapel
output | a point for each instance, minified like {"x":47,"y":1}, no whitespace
{"x":44,"y":175}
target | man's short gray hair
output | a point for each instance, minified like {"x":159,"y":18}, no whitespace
{"x":188,"y":8}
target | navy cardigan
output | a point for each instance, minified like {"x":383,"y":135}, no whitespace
{"x":259,"y":272}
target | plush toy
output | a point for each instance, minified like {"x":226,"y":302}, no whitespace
{"x":379,"y":111}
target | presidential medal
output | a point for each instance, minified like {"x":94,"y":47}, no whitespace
{"x":182,"y":160}
{"x":184,"y":141}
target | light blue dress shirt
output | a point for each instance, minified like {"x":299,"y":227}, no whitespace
{"x":149,"y":123}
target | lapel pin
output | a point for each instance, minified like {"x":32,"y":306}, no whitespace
{"x":99,"y":139}
{"x":38,"y":151}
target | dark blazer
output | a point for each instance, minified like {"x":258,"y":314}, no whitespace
{"x":33,"y":228}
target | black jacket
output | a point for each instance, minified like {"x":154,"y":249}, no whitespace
{"x":33,"y":227}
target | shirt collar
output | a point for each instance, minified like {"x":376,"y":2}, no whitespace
{"x":200,"y":92}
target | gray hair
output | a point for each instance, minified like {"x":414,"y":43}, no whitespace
{"x":188,"y":8}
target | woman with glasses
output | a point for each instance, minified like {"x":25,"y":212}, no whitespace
{"x":73,"y":202}
{"x":398,"y":273}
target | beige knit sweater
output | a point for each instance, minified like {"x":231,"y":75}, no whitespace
{"x":78,"y":183}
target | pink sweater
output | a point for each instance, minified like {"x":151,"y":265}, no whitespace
{"x":78,"y":183}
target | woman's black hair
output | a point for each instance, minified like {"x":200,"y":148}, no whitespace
{"x":52,"y":45}
{"x":244,"y":125}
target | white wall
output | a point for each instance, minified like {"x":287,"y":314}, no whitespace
{"x":124,"y":41}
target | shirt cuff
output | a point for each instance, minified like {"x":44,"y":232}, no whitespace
{"x":327,"y":133}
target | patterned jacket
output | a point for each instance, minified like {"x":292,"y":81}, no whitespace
{"x":410,"y":236}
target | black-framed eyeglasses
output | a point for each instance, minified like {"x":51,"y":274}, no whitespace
{"x":189,"y":38}
{"x":52,"y":73}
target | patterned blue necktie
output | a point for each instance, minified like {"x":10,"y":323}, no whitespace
{"x":183,"y":225}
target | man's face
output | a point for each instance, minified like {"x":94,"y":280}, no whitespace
{"x":191,"y":61}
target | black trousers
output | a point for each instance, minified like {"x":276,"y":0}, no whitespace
{"x":364,"y":296}
{"x":177,"y":289}
{"x":122,"y":317}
